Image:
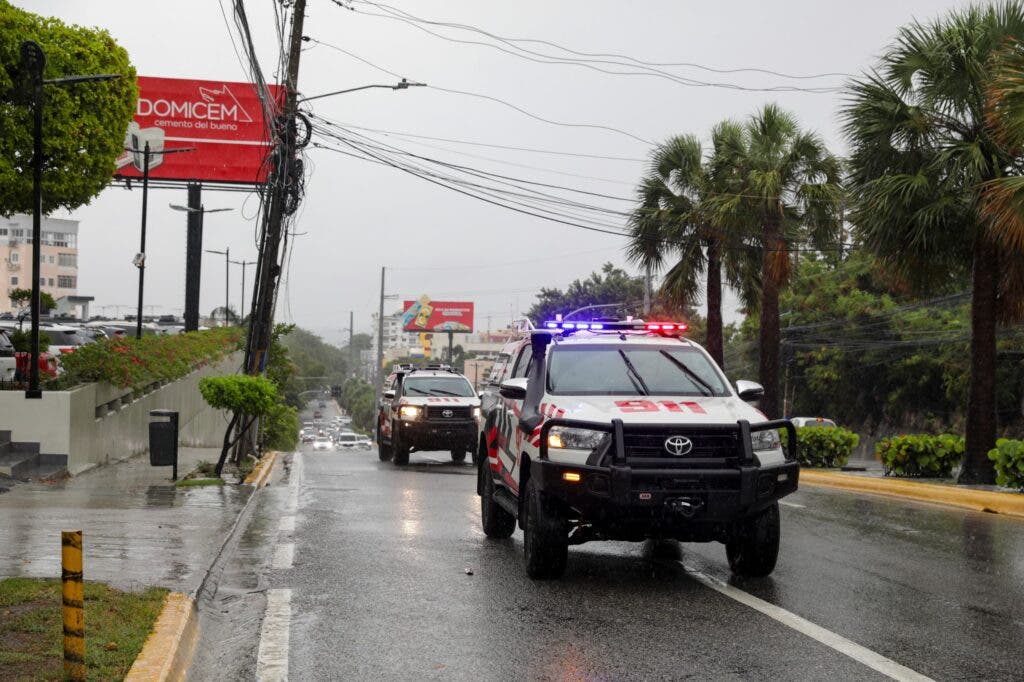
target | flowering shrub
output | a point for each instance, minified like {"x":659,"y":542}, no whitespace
{"x":920,"y":455}
{"x":1008,"y":456}
{"x":135,"y":363}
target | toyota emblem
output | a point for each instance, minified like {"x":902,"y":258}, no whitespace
{"x":678,"y":445}
{"x":447,"y":413}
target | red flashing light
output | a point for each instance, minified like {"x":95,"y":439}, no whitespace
{"x":678,"y":327}
{"x":653,"y":327}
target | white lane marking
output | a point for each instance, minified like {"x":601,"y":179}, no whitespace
{"x":272,"y":659}
{"x":294,"y":483}
{"x":871,"y":659}
{"x":287,"y":524}
{"x":284,"y":556}
{"x":792,"y":504}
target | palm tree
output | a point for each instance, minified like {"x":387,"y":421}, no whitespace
{"x":922,"y":158}
{"x":785,"y":193}
{"x":673,"y":223}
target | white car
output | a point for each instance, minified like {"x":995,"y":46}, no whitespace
{"x":348,"y":440}
{"x":801,"y":422}
{"x":433,"y":408}
{"x":322,"y":443}
{"x":628,"y":431}
{"x":8,"y":361}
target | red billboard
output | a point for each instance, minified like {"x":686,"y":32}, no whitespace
{"x":424,"y":315}
{"x":223,"y":121}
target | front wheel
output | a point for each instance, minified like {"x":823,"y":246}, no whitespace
{"x":459,"y":455}
{"x":545,"y":536}
{"x":383,"y":451}
{"x":753,"y":547}
{"x":399,"y":449}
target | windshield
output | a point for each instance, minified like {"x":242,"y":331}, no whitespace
{"x":633,"y":370}
{"x":349,"y":437}
{"x":442,"y":386}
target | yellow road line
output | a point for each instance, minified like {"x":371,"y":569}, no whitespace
{"x":168,"y":650}
{"x":260,"y":474}
{"x":1010,"y":504}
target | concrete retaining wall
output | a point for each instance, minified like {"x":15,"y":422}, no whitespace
{"x":97,"y":423}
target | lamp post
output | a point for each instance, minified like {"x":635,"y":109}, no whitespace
{"x":140,"y":258}
{"x":33,"y":59}
{"x":243,"y":263}
{"x":227,"y":278}
{"x":400,"y":85}
{"x":194,"y":253}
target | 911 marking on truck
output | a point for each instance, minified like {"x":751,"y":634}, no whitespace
{"x":631,"y":406}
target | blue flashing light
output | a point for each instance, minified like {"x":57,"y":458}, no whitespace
{"x":551,"y":325}
{"x":568,"y":325}
{"x":597,"y":325}
{"x":582,"y":325}
{"x":665,"y":328}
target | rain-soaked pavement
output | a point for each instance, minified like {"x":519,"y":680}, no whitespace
{"x":138,"y":529}
{"x":379,"y":589}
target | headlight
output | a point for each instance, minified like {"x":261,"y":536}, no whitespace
{"x":410,"y":411}
{"x":476,"y":413}
{"x":765,"y":440}
{"x":567,"y":438}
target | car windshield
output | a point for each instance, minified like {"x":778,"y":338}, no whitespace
{"x":349,"y":437}
{"x":633,"y":370}
{"x":441,"y":386}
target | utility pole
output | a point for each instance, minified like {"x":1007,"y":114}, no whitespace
{"x":351,"y":333}
{"x":377,"y":374}
{"x":193,"y":255}
{"x":268,"y":269}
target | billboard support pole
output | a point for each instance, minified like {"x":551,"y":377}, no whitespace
{"x":142,"y":240}
{"x":451,"y":353}
{"x":193,"y":255}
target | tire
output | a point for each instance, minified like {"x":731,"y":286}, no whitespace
{"x":399,"y":450}
{"x":545,"y":537}
{"x":383,"y":451}
{"x":459,"y":455}
{"x":497,"y":523}
{"x":753,"y":548}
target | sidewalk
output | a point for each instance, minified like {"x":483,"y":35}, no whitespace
{"x":139,"y":530}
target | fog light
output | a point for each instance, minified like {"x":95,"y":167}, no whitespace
{"x":571,"y":477}
{"x":782,"y":477}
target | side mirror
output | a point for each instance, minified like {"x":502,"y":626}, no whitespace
{"x":390,"y":395}
{"x":749,"y":391}
{"x":514,"y":389}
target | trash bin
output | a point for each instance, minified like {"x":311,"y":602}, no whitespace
{"x":163,"y":440}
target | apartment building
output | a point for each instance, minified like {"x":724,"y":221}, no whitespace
{"x":58,"y":266}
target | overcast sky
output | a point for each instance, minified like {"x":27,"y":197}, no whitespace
{"x":358,"y":216}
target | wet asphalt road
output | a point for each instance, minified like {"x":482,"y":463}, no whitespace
{"x":379,"y":589}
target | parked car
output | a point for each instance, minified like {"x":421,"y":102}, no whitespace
{"x":800,"y":422}
{"x":8,"y":363}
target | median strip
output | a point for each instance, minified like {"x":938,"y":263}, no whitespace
{"x":168,"y":651}
{"x":260,"y":474}
{"x":1010,"y":504}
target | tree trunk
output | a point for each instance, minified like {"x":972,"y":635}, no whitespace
{"x":714,"y":340}
{"x":771,"y":274}
{"x":981,"y":402}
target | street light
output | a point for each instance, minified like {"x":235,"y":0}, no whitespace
{"x":243,"y":263}
{"x":400,"y":85}
{"x":33,"y":59}
{"x":140,"y":259}
{"x":194,"y":256}
{"x":227,"y":278}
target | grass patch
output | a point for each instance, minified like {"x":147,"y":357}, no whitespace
{"x":199,"y":482}
{"x":31,"y":634}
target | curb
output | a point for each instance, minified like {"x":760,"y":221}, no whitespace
{"x":168,"y":650}
{"x":260,"y":474}
{"x":1009,"y":504}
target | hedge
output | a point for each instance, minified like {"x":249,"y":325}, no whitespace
{"x":135,"y":363}
{"x":825,"y":446}
{"x":920,"y":455}
{"x":1008,"y":456}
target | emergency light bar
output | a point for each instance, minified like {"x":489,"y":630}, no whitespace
{"x":632,"y":325}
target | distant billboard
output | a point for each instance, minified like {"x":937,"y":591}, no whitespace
{"x":223,"y":121}
{"x":424,"y":315}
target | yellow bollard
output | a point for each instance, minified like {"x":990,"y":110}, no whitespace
{"x":74,"y":604}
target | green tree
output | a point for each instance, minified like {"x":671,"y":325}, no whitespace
{"x":786,"y":195}
{"x":246,"y":397}
{"x":20,"y":298}
{"x":83,"y":125}
{"x":676,"y":222}
{"x":921,"y":159}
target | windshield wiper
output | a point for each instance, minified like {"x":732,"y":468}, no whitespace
{"x":441,"y":391}
{"x":638,"y":381}
{"x":418,"y":390}
{"x":705,"y":386}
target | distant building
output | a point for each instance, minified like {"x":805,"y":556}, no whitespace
{"x":58,"y":265}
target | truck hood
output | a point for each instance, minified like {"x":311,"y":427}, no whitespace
{"x":654,"y":410}
{"x":441,"y":401}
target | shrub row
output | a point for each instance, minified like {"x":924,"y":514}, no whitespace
{"x":1008,"y":456}
{"x":823,"y":446}
{"x":920,"y":455}
{"x":135,"y":363}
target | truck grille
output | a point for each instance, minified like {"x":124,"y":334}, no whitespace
{"x":705,"y":445}
{"x":442,"y":413}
